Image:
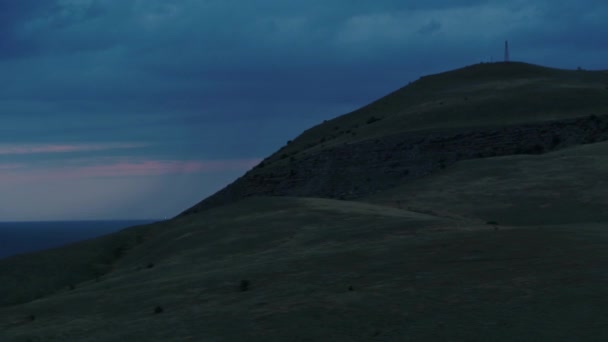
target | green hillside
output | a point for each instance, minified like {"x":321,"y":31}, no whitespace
{"x":481,"y":95}
{"x":480,"y":110}
{"x":326,"y":270}
{"x":567,"y":186}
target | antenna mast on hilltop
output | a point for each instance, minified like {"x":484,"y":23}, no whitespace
{"x":506,"y":51}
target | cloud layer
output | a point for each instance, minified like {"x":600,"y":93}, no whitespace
{"x":8,"y":149}
{"x":117,"y":167}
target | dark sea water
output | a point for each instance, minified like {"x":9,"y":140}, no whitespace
{"x":22,"y":237}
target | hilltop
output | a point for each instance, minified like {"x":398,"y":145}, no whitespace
{"x":478,"y":111}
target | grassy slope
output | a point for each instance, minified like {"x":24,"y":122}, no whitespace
{"x":483,"y":95}
{"x":415,"y":277}
{"x":28,"y":276}
{"x":475,"y":96}
{"x":566,"y":186}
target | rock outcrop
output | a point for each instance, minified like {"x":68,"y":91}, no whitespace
{"x":355,"y":170}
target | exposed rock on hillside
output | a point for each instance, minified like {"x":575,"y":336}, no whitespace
{"x":359,"y":169}
{"x":483,"y":110}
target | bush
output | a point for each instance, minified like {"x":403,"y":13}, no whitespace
{"x":150,"y":265}
{"x":119,"y":251}
{"x":494,"y":223}
{"x":158,"y":309}
{"x":244,"y":286}
{"x":537,"y":149}
{"x":555,"y":140}
{"x":372,"y":120}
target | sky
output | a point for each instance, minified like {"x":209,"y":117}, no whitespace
{"x":137,"y":109}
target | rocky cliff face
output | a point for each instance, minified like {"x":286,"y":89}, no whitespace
{"x":359,"y":169}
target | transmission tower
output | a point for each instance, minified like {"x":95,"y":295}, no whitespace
{"x":506,"y":51}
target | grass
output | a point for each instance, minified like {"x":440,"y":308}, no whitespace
{"x":565,"y":186}
{"x":333,"y":270}
{"x":489,"y":95}
{"x":481,"y":95}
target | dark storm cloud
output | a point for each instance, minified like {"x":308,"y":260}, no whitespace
{"x":220,"y":60}
{"x":159,"y":34}
{"x":12,"y":16}
{"x":567,"y":25}
{"x":431,"y":27}
{"x":186,"y":56}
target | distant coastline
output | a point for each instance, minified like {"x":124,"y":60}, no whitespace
{"x":18,"y":237}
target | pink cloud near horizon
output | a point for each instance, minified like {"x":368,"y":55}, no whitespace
{"x":160,"y":167}
{"x":11,"y":149}
{"x":121,"y":168}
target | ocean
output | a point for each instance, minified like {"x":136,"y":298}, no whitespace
{"x":23,"y":237}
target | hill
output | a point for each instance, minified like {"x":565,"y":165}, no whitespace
{"x":484,"y":224}
{"x":478,"y":111}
